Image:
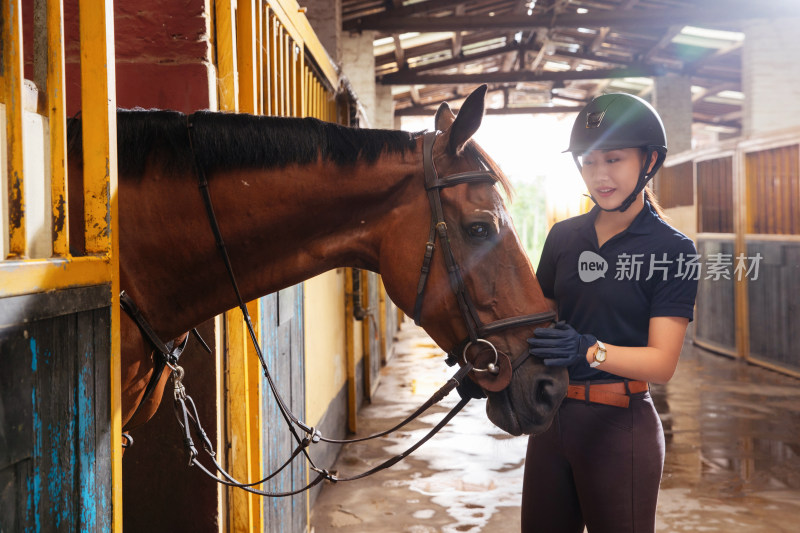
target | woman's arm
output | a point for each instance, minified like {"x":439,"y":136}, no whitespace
{"x":655,"y":362}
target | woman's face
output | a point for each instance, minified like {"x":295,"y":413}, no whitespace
{"x":611,"y":175}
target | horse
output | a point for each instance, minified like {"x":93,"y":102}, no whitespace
{"x":295,"y":197}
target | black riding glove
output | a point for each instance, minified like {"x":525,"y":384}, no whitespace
{"x":560,"y":345}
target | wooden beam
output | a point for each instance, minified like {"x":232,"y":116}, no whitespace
{"x":614,"y":19}
{"x":399,"y":55}
{"x":665,"y":40}
{"x":458,"y":37}
{"x":455,"y":61}
{"x":411,"y":78}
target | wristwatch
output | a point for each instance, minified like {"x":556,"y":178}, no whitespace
{"x":599,"y":355}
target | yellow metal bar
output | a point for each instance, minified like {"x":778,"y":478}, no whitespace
{"x":227,"y":85}
{"x":99,"y":116}
{"x":259,"y":57}
{"x":11,"y":19}
{"x":246,"y":62}
{"x":56,"y":115}
{"x":41,"y":275}
{"x":302,"y":32}
{"x":297,"y":98}
{"x":275,"y":30}
{"x":281,"y":80}
{"x":288,"y":91}
{"x":301,"y":83}
{"x":266,"y":53}
{"x":99,"y":120}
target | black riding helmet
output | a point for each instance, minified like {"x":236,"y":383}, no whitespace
{"x":619,"y":120}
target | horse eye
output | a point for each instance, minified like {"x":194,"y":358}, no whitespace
{"x":478,"y":230}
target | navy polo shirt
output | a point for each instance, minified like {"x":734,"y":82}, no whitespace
{"x":612,"y":291}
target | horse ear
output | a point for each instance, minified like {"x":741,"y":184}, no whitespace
{"x":468,"y":120}
{"x":444,"y":117}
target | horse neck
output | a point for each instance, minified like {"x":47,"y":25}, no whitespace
{"x":280,"y":227}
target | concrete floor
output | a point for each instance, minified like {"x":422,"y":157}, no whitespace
{"x":732,"y":464}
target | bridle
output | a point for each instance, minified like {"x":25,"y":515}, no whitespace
{"x":184,"y":407}
{"x":489,"y":377}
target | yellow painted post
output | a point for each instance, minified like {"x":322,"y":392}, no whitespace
{"x":99,"y":117}
{"x":740,"y":228}
{"x":227,"y":84}
{"x":246,"y":62}
{"x":56,"y":115}
{"x":99,"y":120}
{"x":13,"y":72}
{"x":254,"y":398}
{"x":240,"y":517}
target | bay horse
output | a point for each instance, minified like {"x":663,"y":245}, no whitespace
{"x":297,"y":197}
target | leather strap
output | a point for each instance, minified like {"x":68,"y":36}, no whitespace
{"x":607,"y":393}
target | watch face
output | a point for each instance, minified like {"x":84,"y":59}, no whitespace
{"x":600,"y":356}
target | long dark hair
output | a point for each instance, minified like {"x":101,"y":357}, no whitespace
{"x":650,"y":196}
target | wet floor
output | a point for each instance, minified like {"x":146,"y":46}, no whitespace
{"x":732,"y":464}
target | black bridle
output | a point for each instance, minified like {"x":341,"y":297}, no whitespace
{"x":476,"y":329}
{"x":184,"y":407}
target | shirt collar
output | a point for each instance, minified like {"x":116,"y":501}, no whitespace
{"x":641,"y":225}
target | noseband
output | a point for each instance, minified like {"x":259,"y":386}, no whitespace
{"x":476,"y":329}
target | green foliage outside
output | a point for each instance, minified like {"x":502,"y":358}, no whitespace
{"x":529,"y":212}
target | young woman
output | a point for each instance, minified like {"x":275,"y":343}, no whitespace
{"x":618,"y":279}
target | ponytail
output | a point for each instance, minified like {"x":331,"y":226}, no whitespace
{"x":650,"y":196}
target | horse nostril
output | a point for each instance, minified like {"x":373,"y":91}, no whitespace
{"x":542,"y":391}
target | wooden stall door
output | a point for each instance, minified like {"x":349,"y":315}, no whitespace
{"x":372,"y":332}
{"x":282,"y":343}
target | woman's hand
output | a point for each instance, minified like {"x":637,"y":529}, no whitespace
{"x":560,"y":345}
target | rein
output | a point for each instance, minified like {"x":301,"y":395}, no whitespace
{"x":184,"y":407}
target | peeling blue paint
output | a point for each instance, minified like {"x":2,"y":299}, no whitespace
{"x":34,"y":482}
{"x":55,"y":476}
{"x":33,"y":355}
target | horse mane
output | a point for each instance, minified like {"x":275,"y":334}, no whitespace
{"x":238,"y":141}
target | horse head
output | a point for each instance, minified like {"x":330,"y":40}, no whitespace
{"x":479,"y":300}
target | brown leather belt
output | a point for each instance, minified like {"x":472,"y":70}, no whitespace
{"x":614,"y":394}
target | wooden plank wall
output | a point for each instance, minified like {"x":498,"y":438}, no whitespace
{"x":391,"y":318}
{"x":774,"y":308}
{"x":715,"y":195}
{"x":371,"y":332}
{"x":674,"y":185}
{"x":773,"y":184}
{"x":55,"y":450}
{"x":282,"y":343}
{"x":715,"y":321}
